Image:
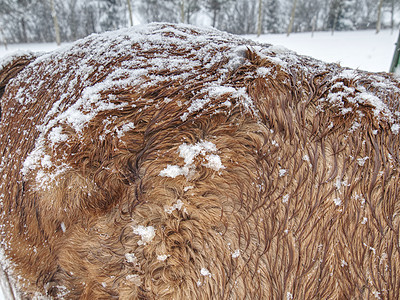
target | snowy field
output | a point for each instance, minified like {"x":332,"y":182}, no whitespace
{"x":364,"y":50}
{"x":359,"y":49}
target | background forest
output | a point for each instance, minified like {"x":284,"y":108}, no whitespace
{"x":24,"y":21}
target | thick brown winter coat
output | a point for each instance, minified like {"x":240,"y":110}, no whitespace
{"x":172,"y":162}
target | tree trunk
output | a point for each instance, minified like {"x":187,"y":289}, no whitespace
{"x":378,"y":19}
{"x":392,"y":17}
{"x":24,"y":34}
{"x":259,"y":24}
{"x":289,"y":30}
{"x":214,"y":19}
{"x":182,"y":11}
{"x":335,"y":19}
{"x":3,"y":38}
{"x":55,"y":20}
{"x":130,"y":12}
{"x":314,"y":23}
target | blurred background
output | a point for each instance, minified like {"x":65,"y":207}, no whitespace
{"x":23,"y":21}
{"x":366,"y":29}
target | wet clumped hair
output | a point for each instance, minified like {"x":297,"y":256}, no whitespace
{"x":173,"y":162}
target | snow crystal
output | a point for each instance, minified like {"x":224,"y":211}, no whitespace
{"x":56,"y":136}
{"x":130,"y":257}
{"x":361,"y":161}
{"x":348,"y":74}
{"x":63,"y":228}
{"x":395,"y":128}
{"x":189,"y":153}
{"x":125,"y":128}
{"x":7,"y":59}
{"x":263,"y":71}
{"x":174,"y":171}
{"x":205,"y":272}
{"x":236,"y":254}
{"x":380,"y":106}
{"x":364,"y":220}
{"x":279,"y":49}
{"x":337,"y":201}
{"x":214,"y":162}
{"x":189,"y":187}
{"x":216,"y":91}
{"x":376,"y":294}
{"x":282,"y":172}
{"x":345,"y":110}
{"x":219,"y":91}
{"x":146,"y":233}
{"x":178,"y":206}
{"x":285,"y":198}
{"x":340,"y":183}
{"x":354,"y":127}
{"x":227,"y":103}
{"x":289,"y":296}
{"x":134,"y":278}
{"x":162,"y":257}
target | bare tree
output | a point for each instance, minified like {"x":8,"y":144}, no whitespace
{"x":130,"y":12}
{"x":378,"y":19}
{"x":55,"y":20}
{"x":289,"y":30}
{"x":3,"y":38}
{"x":182,"y":11}
{"x":259,"y":22}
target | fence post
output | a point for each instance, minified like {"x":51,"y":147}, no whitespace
{"x":396,"y":54}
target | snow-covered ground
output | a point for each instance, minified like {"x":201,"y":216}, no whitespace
{"x":364,"y":50}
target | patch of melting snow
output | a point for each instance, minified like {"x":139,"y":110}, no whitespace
{"x":282,"y":172}
{"x":285,"y":198}
{"x":205,"y":272}
{"x":189,"y":152}
{"x":216,"y":90}
{"x":135,"y":279}
{"x":213,"y":162}
{"x":337,"y":201}
{"x":361,"y":161}
{"x":147,"y":233}
{"x":130,"y":258}
{"x":187,"y":188}
{"x":125,"y":128}
{"x":177,"y":206}
{"x":236,"y":253}
{"x":63,"y":227}
{"x":395,"y":128}
{"x":162,"y":257}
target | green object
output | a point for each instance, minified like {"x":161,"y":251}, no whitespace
{"x":396,"y":56}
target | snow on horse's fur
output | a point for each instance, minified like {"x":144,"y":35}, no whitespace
{"x":172,"y":162}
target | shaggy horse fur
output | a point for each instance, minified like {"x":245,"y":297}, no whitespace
{"x":230,"y":171}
